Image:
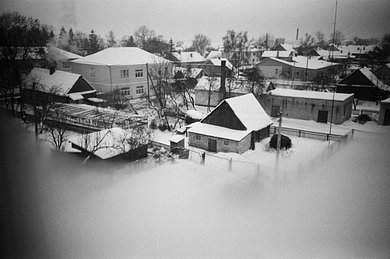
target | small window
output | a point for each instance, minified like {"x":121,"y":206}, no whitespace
{"x":65,"y":64}
{"x":125,"y":73}
{"x":198,"y":137}
{"x":225,"y":142}
{"x":276,"y":71}
{"x":92,"y":72}
{"x":125,"y":90}
{"x":139,"y":89}
{"x":139,"y":73}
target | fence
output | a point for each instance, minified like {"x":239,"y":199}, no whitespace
{"x":266,"y":171}
{"x":307,"y":134}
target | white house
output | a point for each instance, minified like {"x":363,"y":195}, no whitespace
{"x":123,"y":68}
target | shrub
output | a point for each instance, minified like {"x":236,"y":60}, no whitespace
{"x":284,"y":143}
{"x":162,"y":127}
{"x":153,"y":124}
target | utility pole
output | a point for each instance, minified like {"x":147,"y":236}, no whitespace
{"x":35,"y":108}
{"x":279,"y":138}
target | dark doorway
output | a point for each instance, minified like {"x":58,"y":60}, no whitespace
{"x":322,"y":116}
{"x":275,"y":109}
{"x":386,"y":121}
{"x":212,"y":145}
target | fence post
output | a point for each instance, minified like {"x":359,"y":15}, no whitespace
{"x":203,"y":158}
{"x":230,"y":164}
{"x":299,"y":134}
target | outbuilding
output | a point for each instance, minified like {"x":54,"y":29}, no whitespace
{"x":308,"y":105}
{"x":384,"y":112}
{"x":233,"y":126}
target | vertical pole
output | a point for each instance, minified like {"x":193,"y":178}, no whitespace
{"x":331,"y":114}
{"x":279,"y":138}
{"x":35,"y":108}
{"x":147,"y":78}
{"x":109,"y":67}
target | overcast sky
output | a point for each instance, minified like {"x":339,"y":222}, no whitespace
{"x":182,"y":19}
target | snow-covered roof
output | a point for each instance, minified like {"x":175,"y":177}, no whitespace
{"x":191,"y":72}
{"x":374,"y":79}
{"x":335,"y":54}
{"x":386,"y":100}
{"x":217,"y":62}
{"x":249,"y":111}
{"x":218,"y":131}
{"x":188,"y":56}
{"x":214,"y":54}
{"x":121,"y":56}
{"x":310,"y":94}
{"x":55,"y":53}
{"x":277,"y":53}
{"x":304,"y":62}
{"x":59,"y":83}
{"x":195,"y":114}
{"x":105,"y":143}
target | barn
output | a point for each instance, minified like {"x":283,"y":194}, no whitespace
{"x":233,"y":126}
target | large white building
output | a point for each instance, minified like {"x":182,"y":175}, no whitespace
{"x":123,"y":68}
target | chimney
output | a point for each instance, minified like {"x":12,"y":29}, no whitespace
{"x":222,"y":89}
{"x":277,"y":54}
{"x":52,"y":69}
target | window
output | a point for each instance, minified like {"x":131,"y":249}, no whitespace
{"x":276,"y":71}
{"x":296,"y":73}
{"x":225,"y":142}
{"x":125,"y":73}
{"x":65,"y":64}
{"x":198,"y":137}
{"x":139,"y":73}
{"x":139,"y":89}
{"x":125,"y":90}
{"x":92,"y":72}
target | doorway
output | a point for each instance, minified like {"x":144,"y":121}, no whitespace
{"x":212,"y":145}
{"x":322,"y":116}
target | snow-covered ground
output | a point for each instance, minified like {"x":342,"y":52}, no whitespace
{"x":181,"y":209}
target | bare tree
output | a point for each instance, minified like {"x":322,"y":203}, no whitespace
{"x":211,"y":85}
{"x":56,"y":135}
{"x":111,"y":39}
{"x":142,"y":35}
{"x":200,"y":43}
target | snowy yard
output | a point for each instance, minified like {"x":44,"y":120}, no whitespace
{"x":182,"y":209}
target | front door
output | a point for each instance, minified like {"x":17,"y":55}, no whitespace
{"x":212,"y":145}
{"x":322,"y":116}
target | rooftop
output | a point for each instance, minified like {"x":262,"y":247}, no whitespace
{"x":310,"y":94}
{"x":60,"y":82}
{"x":117,"y":56}
{"x":190,"y":56}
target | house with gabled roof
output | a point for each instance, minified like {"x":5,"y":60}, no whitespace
{"x":383,"y":73}
{"x":299,"y":68}
{"x":121,"y":68}
{"x":235,"y":125}
{"x":365,"y":85}
{"x":56,"y":86}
